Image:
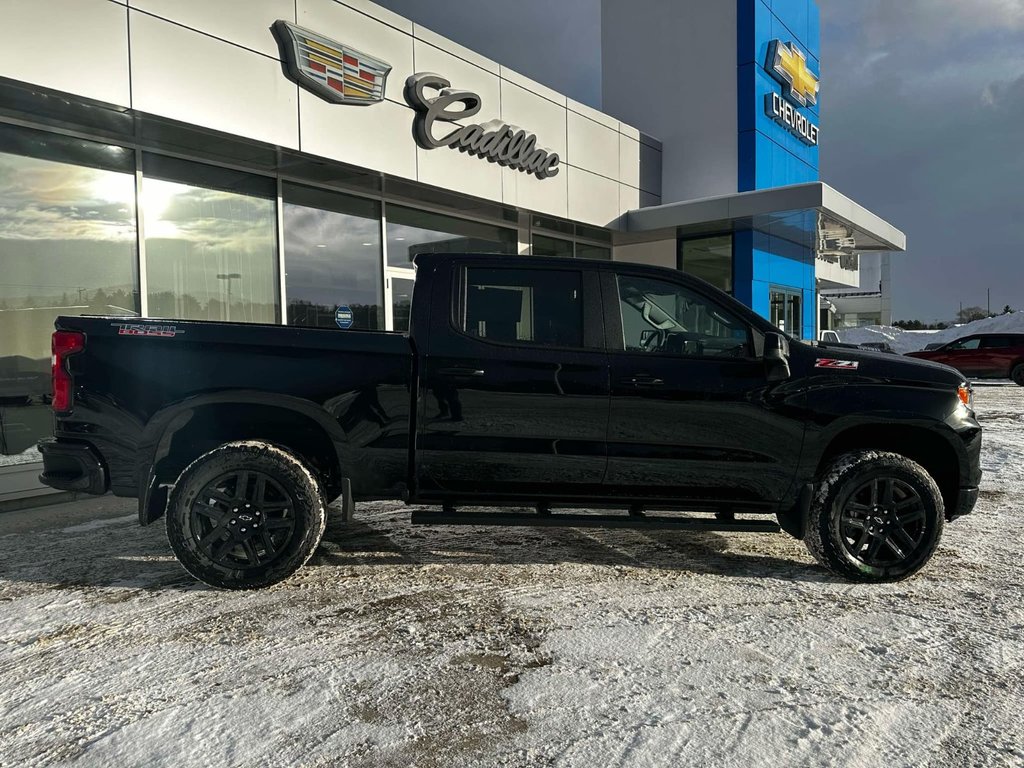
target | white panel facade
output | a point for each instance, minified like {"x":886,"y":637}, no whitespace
{"x":376,"y":137}
{"x":592,"y":199}
{"x":460,"y":172}
{"x":629,"y":161}
{"x":536,"y":114}
{"x":242,"y":22}
{"x":44,"y":43}
{"x":188,"y":88}
{"x":592,"y":146}
{"x":217,"y":65}
{"x":550,"y":196}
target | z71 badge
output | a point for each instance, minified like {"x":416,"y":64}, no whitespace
{"x":841,"y":365}
{"x":164,"y":331}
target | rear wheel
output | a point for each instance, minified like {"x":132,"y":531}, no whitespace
{"x":245,"y":515}
{"x":875,"y":516}
{"x":1017,"y":374}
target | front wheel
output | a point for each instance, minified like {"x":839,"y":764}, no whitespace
{"x":1017,"y":374}
{"x":875,"y":516}
{"x":245,"y":515}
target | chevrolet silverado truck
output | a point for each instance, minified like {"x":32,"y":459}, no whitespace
{"x":541,"y":387}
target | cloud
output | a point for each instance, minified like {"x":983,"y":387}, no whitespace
{"x":929,"y":136}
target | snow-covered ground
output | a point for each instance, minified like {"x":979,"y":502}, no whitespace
{"x":26,"y":457}
{"x":911,"y":341}
{"x":401,"y":646}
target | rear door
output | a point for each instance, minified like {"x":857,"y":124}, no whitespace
{"x":514,"y":388}
{"x":692,"y":415}
{"x":997,"y":355}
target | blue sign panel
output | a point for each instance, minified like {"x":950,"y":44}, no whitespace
{"x":344,"y":317}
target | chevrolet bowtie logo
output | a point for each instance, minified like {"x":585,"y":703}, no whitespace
{"x":789,"y":66}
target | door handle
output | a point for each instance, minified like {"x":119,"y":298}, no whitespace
{"x":460,"y":373}
{"x":641,"y":381}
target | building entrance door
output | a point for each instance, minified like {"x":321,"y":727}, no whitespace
{"x":786,"y":312}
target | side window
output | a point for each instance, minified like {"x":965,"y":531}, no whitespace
{"x":666,"y":318}
{"x":964,"y":344}
{"x":526,"y":306}
{"x":996,"y":342}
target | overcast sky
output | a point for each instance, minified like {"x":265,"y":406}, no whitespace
{"x":922,"y":107}
{"x":923,"y":122}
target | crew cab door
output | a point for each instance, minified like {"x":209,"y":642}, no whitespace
{"x":693,"y":417}
{"x":514,"y":392}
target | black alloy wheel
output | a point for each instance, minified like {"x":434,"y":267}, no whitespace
{"x":245,"y":515}
{"x":882,"y":522}
{"x":243,"y":519}
{"x":1017,"y":374}
{"x":875,"y":516}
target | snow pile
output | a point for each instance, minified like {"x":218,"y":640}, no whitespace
{"x":911,"y":341}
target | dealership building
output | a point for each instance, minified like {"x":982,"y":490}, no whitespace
{"x":283,"y":161}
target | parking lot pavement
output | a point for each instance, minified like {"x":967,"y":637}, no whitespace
{"x":473,"y":646}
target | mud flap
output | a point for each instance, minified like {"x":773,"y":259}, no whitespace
{"x":794,"y":520}
{"x":152,"y":501}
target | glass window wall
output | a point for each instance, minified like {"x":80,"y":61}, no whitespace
{"x":211,"y":250}
{"x":332,"y":251}
{"x":710,"y":259}
{"x":67,"y":247}
{"x":411,"y":232}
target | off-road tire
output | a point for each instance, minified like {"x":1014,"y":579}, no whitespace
{"x":1017,"y":374}
{"x":295,"y":541}
{"x":846,"y":481}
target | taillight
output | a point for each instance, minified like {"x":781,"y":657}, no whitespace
{"x":64,"y":343}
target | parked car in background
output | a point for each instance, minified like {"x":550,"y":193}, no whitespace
{"x":982,"y":356}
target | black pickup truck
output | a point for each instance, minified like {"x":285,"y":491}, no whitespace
{"x":529,"y":383}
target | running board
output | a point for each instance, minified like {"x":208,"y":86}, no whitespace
{"x":433,"y":517}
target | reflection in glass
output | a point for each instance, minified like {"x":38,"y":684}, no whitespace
{"x":332,"y":258}
{"x":551,"y":246}
{"x":67,"y":247}
{"x":401,"y":303}
{"x":411,"y":232}
{"x":210,"y":254}
{"x":709,"y":258}
{"x":585,"y":251}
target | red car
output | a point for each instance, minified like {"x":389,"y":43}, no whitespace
{"x":982,"y":356}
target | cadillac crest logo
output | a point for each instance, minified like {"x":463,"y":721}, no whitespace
{"x":333,"y":71}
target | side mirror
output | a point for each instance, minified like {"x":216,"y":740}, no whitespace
{"x":776,"y":357}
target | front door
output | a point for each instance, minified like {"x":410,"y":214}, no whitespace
{"x":963,"y":354}
{"x":692,"y":416}
{"x":514,"y":388}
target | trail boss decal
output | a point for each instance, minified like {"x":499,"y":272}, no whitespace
{"x":840,"y":365}
{"x":164,"y":331}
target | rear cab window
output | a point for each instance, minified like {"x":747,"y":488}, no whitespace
{"x":542,"y":307}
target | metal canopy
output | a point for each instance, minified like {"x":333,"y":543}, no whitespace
{"x":811,"y":214}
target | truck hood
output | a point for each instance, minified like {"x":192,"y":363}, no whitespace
{"x":878,"y":365}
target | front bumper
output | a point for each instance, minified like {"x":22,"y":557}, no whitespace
{"x":72,"y":466}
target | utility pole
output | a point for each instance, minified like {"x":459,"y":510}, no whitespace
{"x":960,"y":317}
{"x":989,"y":301}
